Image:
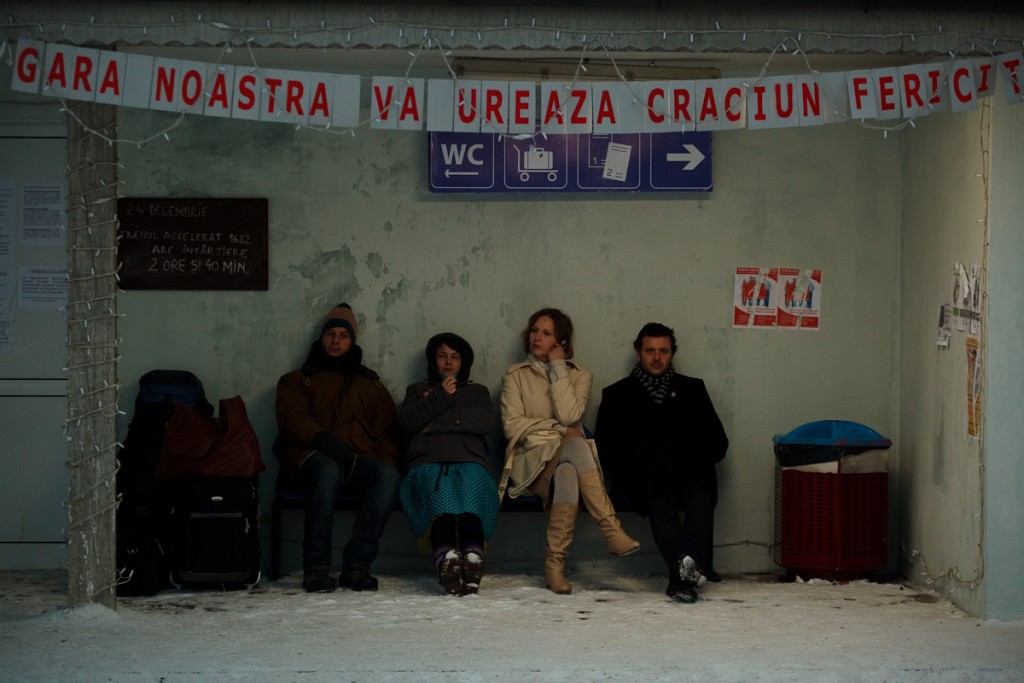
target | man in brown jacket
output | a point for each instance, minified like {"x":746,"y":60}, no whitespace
{"x":339,"y":433}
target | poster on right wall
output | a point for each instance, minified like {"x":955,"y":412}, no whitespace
{"x":966,"y":294}
{"x":974,"y":388}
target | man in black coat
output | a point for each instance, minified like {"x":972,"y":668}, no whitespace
{"x":659,"y":437}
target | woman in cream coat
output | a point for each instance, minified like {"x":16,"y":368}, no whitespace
{"x":543,"y":399}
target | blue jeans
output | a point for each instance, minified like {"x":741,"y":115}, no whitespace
{"x":373,"y":481}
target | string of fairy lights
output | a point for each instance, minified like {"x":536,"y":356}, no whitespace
{"x":92,"y":343}
{"x":416,"y":39}
{"x":399,"y":33}
{"x":595,"y":47}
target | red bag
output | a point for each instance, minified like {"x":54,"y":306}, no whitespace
{"x":196,"y":445}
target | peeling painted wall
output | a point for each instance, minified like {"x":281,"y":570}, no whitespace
{"x":939,"y":466}
{"x":961,"y":508}
{"x":352,"y":219}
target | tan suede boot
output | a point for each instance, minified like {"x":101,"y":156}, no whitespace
{"x":561,"y":525}
{"x":601,"y":509}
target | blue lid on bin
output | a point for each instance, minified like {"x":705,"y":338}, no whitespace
{"x":834,"y":433}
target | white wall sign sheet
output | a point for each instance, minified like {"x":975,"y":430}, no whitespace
{"x":6,"y":221}
{"x":6,"y":317}
{"x":966,"y":292}
{"x":7,"y":282}
{"x":42,"y":215}
{"x":42,"y":289}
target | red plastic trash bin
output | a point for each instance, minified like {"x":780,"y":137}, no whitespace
{"x":831,"y":500}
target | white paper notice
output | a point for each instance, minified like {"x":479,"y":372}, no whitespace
{"x":6,"y":290}
{"x":616,"y":161}
{"x":6,"y":221}
{"x":945,"y":326}
{"x":967,"y":297}
{"x":6,"y":315}
{"x":42,"y":215}
{"x":5,"y":333}
{"x":42,"y":289}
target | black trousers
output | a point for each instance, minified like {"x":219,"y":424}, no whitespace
{"x":692,"y":535}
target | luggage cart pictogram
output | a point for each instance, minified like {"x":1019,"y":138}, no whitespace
{"x":535,"y":160}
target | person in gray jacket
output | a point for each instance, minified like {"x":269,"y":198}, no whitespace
{"x":447,"y":491}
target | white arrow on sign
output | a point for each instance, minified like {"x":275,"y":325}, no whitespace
{"x":692,"y":155}
{"x":448,"y":173}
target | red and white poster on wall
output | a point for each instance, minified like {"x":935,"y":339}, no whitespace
{"x":800,"y":303}
{"x":754,"y":295}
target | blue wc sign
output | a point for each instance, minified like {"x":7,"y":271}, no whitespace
{"x":613,"y":162}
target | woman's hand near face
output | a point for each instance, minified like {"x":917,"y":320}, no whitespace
{"x":449,"y":385}
{"x":556,"y":353}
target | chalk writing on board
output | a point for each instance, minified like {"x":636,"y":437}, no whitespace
{"x":193,"y":244}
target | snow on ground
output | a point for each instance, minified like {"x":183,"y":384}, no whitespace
{"x":614,"y":627}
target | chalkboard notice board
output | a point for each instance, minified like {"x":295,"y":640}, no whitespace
{"x":192,"y":243}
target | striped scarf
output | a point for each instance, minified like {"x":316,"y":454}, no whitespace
{"x":657,"y":387}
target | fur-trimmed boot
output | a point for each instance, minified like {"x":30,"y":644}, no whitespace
{"x":561,"y":525}
{"x":595,"y":497}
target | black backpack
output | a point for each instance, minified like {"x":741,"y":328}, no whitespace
{"x":143,"y":515}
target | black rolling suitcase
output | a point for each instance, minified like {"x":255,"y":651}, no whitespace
{"x":215,"y":536}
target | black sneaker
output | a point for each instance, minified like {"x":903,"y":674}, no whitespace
{"x":357,"y":579}
{"x":318,"y":582}
{"x":681,"y":592}
{"x":472,"y":572}
{"x":690,"y":573}
{"x":449,"y":573}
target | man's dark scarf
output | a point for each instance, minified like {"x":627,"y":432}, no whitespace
{"x":657,"y":386}
{"x":318,"y":360}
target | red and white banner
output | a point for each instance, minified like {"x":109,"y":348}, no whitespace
{"x":320,"y":99}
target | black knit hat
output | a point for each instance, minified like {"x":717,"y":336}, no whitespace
{"x":454,"y":342}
